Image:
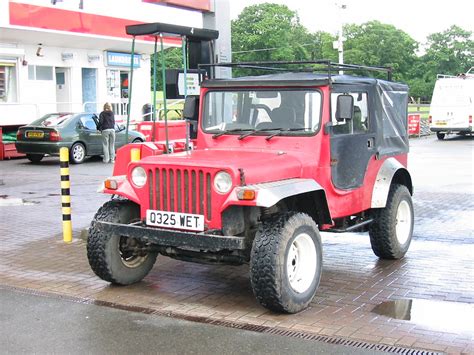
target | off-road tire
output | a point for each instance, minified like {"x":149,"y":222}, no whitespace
{"x":383,"y":232}
{"x":103,"y":250}
{"x":440,"y":135}
{"x":268,"y":262}
{"x":35,"y":158}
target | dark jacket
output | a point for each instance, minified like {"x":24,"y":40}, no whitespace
{"x":106,"y":120}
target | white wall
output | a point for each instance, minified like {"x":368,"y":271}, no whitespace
{"x":219,"y":19}
{"x":4,"y":13}
{"x":38,"y":97}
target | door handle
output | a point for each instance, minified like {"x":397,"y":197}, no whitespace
{"x":370,"y":143}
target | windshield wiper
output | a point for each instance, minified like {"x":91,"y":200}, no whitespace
{"x":231,"y":130}
{"x":258,"y":130}
{"x":283,"y":130}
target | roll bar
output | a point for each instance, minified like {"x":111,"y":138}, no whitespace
{"x":319,"y":65}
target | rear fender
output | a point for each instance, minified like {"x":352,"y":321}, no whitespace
{"x":391,"y":171}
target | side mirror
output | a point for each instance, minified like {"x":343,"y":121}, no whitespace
{"x":344,"y":107}
{"x":191,"y":105}
{"x":121,"y":127}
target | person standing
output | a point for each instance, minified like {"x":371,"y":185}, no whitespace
{"x":107,"y":128}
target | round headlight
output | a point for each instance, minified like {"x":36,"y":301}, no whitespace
{"x":139,"y":176}
{"x":222,"y":182}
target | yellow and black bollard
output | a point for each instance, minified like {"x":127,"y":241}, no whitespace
{"x":65,"y":194}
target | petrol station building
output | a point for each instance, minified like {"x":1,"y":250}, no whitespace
{"x":74,"y":55}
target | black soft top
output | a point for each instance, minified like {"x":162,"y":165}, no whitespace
{"x":299,"y":79}
{"x":389,"y":102}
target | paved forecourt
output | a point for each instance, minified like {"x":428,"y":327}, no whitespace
{"x":438,"y":266}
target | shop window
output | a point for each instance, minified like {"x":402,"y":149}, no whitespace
{"x":60,"y":78}
{"x":3,"y":81}
{"x":31,"y":72}
{"x":40,"y":72}
{"x":7,"y":82}
{"x":113,"y":83}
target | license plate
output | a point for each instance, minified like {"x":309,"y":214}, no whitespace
{"x":176,"y":220}
{"x":34,"y":134}
{"x":440,"y":123}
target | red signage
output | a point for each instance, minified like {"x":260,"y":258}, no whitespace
{"x":203,"y":5}
{"x":42,"y":17}
{"x":413,"y":124}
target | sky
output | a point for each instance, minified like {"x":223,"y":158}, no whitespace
{"x":418,"y":18}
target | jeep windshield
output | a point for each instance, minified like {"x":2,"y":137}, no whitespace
{"x":262,"y":112}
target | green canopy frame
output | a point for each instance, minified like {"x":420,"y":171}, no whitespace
{"x":158,"y":30}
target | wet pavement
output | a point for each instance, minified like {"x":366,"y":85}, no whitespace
{"x":38,"y":324}
{"x":438,"y":268}
{"x":441,"y":315}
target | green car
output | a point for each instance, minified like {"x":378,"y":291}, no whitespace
{"x":77,"y":131}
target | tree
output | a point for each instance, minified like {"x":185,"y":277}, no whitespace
{"x":377,"y":44}
{"x":449,"y":52}
{"x":269,"y":32}
{"x":173,"y":60}
{"x":323,"y":46}
{"x":420,"y":80}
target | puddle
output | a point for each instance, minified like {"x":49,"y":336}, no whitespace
{"x":445,"y":316}
{"x":5,"y":200}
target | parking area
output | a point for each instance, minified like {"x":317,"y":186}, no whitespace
{"x":437,"y":274}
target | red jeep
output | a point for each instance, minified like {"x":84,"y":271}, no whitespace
{"x":277,"y":158}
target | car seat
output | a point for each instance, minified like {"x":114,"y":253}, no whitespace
{"x":282,"y":117}
{"x":358,"y":125}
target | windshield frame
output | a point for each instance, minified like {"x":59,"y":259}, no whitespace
{"x":265,"y":132}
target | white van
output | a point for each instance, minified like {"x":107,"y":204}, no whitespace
{"x":452,"y":104}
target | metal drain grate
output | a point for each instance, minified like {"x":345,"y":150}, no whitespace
{"x":234,"y":325}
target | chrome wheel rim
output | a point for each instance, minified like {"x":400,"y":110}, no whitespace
{"x":301,"y":263}
{"x":403,"y":222}
{"x":78,"y":152}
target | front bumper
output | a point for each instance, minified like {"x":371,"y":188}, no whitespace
{"x":172,"y":238}
{"x":451,"y":129}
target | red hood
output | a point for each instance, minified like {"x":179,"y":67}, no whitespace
{"x":258,"y":165}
